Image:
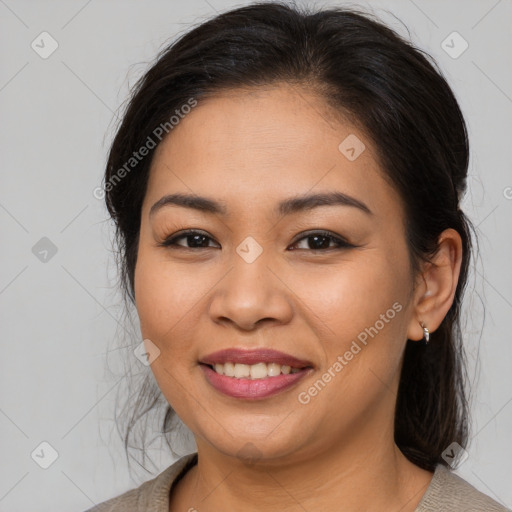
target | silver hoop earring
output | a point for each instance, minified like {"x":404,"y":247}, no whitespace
{"x":426,"y":333}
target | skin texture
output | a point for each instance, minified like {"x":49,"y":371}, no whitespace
{"x":250,"y":149}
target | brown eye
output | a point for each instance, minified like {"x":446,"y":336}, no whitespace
{"x":192,"y":240}
{"x":313,"y":241}
{"x":321,"y":241}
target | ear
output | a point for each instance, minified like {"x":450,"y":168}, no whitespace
{"x":436,"y":285}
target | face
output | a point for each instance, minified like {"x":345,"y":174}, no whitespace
{"x":327,"y":282}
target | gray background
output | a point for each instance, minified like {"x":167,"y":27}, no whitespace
{"x":60,"y":313}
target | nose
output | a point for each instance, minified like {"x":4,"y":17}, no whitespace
{"x":251,"y":294}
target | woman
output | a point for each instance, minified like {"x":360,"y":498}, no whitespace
{"x":286,"y":186}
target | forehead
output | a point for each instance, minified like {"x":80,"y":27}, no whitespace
{"x":261,"y":144}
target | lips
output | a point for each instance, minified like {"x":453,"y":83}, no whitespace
{"x":254,"y":356}
{"x":248,"y":389}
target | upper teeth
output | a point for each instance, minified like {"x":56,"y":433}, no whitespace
{"x":253,"y":371}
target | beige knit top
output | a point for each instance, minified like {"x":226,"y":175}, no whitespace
{"x":447,"y":492}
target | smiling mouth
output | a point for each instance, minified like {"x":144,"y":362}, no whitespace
{"x":257,"y":381}
{"x":256,"y":371}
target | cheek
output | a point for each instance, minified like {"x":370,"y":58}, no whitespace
{"x":358,"y":312}
{"x":358,"y":318}
{"x":166,"y":302}
{"x":163,"y":294}
{"x":160,"y":300}
{"x":170,"y":301}
{"x":154,"y":299}
{"x":350,"y":296}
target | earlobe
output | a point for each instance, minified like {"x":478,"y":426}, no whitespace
{"x":439,"y":282}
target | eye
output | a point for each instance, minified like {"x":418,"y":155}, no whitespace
{"x":195,"y":239}
{"x":321,"y":241}
{"x":313,"y":241}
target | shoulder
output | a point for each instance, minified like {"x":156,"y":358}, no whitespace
{"x":448,"y":492}
{"x":151,"y":496}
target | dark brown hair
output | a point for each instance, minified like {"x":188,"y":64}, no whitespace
{"x":396,"y":94}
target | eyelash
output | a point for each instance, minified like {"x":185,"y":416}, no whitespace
{"x":170,"y":242}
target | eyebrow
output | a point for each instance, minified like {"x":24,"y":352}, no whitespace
{"x":285,"y":207}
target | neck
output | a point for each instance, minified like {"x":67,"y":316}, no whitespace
{"x":366,"y":472}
